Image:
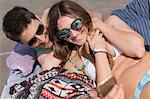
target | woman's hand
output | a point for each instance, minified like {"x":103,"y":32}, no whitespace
{"x":48,"y":61}
{"x":116,"y":93}
{"x":96,"y":19}
{"x":97,"y":40}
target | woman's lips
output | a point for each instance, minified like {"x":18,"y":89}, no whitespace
{"x":79,"y":37}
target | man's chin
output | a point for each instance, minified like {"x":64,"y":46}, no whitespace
{"x":49,"y":45}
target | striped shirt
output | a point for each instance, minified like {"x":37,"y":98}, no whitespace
{"x":137,"y":15}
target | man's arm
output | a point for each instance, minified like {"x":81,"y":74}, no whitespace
{"x":48,"y":61}
{"x":120,"y":35}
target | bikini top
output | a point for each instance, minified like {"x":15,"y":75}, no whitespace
{"x":90,"y":68}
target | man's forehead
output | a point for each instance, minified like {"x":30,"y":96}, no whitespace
{"x":30,"y":31}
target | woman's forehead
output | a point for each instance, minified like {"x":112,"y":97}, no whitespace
{"x":65,"y":21}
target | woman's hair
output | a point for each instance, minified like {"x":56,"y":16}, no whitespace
{"x":65,"y":8}
{"x":62,"y":49}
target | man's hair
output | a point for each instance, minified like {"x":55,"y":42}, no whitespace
{"x":15,"y":21}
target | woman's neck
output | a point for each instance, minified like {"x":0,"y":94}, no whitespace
{"x":75,"y":62}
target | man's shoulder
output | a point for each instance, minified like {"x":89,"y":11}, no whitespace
{"x":24,"y":49}
{"x":22,"y":59}
{"x":112,"y":19}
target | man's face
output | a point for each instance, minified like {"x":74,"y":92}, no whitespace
{"x":35,"y":35}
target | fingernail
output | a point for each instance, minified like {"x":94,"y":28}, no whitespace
{"x":116,"y":86}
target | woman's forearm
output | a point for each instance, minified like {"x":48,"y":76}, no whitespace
{"x":102,"y":67}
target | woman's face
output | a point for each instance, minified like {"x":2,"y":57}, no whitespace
{"x":72,"y":30}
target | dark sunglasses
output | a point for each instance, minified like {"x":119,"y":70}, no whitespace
{"x":65,"y":33}
{"x":39,"y":31}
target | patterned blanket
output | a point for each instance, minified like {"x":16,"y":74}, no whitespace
{"x":53,"y":84}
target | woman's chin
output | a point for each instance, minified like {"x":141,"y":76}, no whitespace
{"x":81,"y":43}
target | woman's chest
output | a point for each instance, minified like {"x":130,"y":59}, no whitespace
{"x":123,"y":63}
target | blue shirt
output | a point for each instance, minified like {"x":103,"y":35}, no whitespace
{"x":137,"y":15}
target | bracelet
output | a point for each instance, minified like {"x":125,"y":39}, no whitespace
{"x":99,"y":50}
{"x":105,"y":80}
{"x":106,"y":85}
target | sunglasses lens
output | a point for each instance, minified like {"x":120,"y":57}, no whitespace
{"x":32,"y":41}
{"x":77,"y":25}
{"x":40,"y":29}
{"x":63,"y":34}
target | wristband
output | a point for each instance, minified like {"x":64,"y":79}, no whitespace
{"x":106,"y":85}
{"x":99,"y":50}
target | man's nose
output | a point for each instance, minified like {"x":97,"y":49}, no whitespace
{"x":41,"y":38}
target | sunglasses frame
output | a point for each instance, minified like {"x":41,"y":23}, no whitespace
{"x":38,"y":32}
{"x":61,"y":35}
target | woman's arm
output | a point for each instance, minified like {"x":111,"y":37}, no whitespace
{"x":103,"y":71}
{"x":102,"y":65}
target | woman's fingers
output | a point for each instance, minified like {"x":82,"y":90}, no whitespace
{"x":93,"y":94}
{"x":101,"y":35}
{"x":120,"y":93}
{"x":97,"y":31}
{"x":112,"y":93}
{"x":116,"y":93}
{"x":97,"y":40}
{"x":89,"y":40}
{"x":95,"y":36}
{"x":87,"y":48}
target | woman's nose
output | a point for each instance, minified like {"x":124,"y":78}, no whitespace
{"x":73,"y":33}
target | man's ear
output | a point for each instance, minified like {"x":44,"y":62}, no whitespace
{"x":45,"y":16}
{"x":38,"y":17}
